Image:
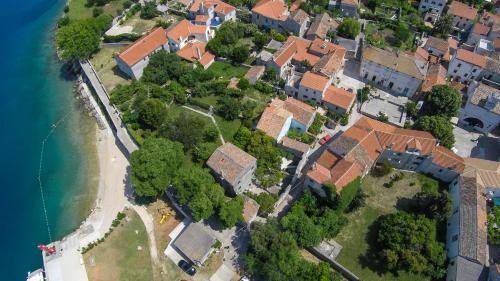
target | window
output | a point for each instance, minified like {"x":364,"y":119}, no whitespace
{"x":466,"y":74}
{"x":454,"y":238}
{"x":455,"y":71}
{"x":472,"y":77}
{"x":314,"y":99}
{"x":459,"y":65}
{"x":440,"y":170}
{"x":424,"y":7}
{"x":307,"y":90}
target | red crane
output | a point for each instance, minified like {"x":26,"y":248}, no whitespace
{"x":49,"y":250}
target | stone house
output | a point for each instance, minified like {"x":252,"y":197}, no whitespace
{"x":281,"y":116}
{"x":185,"y":31}
{"x":320,"y":26}
{"x":211,"y":12}
{"x":482,"y":110}
{"x":463,"y":15}
{"x":466,"y":66}
{"x":398,"y":72}
{"x":135,"y":57}
{"x":479,"y":31}
{"x":233,"y":167}
{"x":431,"y":9}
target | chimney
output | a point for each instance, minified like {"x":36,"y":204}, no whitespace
{"x":198,"y":53}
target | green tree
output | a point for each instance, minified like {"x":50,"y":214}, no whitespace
{"x":78,"y":40}
{"x":266,"y":202}
{"x":201,"y":207}
{"x":442,"y":100}
{"x":243,"y":84}
{"x":229,"y":107}
{"x":231,"y":212}
{"x":402,"y":32}
{"x":154,"y":166}
{"x":411,"y":108}
{"x":372,"y":4}
{"x":164,"y":66}
{"x":260,"y":39}
{"x":186,"y":128}
{"x":240,"y":53}
{"x":439,"y":126}
{"x":153,"y":113}
{"x":348,"y":193}
{"x":149,"y":10}
{"x":433,"y":205}
{"x":302,"y":227}
{"x":443,"y":27}
{"x":349,"y":28}
{"x":408,"y":243}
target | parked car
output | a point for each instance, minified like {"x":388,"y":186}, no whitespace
{"x":325,"y":139}
{"x":187,"y":267}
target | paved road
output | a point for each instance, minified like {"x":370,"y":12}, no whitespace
{"x":111,"y":111}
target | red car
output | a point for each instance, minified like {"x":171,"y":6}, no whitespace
{"x":325,"y":139}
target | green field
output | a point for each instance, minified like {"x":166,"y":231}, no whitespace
{"x":78,"y":10}
{"x":119,"y":256}
{"x":227,"y":71}
{"x":358,"y":235}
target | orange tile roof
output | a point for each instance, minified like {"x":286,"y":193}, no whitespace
{"x":202,"y":18}
{"x":446,"y":158}
{"x":273,"y":118}
{"x":350,"y":2}
{"x":295,"y":48}
{"x":452,"y":43}
{"x":470,"y":57}
{"x":363,"y":143}
{"x":255,"y":71}
{"x":231,"y":162}
{"x":144,"y":46}
{"x":301,"y":111}
{"x":421,"y":53}
{"x":295,"y":5}
{"x":184,"y":29}
{"x":322,"y":46}
{"x":314,"y":81}
{"x":339,"y":97}
{"x":462,"y":10}
{"x":481,"y":29}
{"x":196,"y":51}
{"x":273,"y":9}
{"x":285,"y":53}
{"x":436,"y":75}
{"x":220,"y":7}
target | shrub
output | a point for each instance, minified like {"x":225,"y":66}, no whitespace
{"x":131,"y":37}
{"x":344,"y":120}
{"x":97,"y":11}
{"x":315,"y":127}
{"x":384,"y":168}
{"x":347,"y":194}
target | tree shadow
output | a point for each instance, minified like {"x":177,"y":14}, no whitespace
{"x":404,"y":204}
{"x":116,"y":71}
{"x":68,"y":71}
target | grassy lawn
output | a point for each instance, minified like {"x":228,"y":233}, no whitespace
{"x":118,"y":257}
{"x":227,"y":128}
{"x":358,"y":234}
{"x":211,"y":99}
{"x":106,"y":67}
{"x":141,"y":26}
{"x":77,"y":9}
{"x":227,"y":71}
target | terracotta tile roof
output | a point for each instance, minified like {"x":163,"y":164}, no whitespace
{"x":338,"y":97}
{"x":220,"y":7}
{"x":250,"y":209}
{"x":446,"y":158}
{"x":349,"y":2}
{"x":361,"y":145}
{"x":319,"y":174}
{"x":230,"y":162}
{"x":299,"y":16}
{"x":331,"y":63}
{"x":184,"y":29}
{"x":321,"y":25}
{"x":328,"y":159}
{"x":480,"y":29}
{"x":275,"y":115}
{"x":302,"y":112}
{"x":144,"y":46}
{"x":323,"y":47}
{"x":397,"y":61}
{"x":314,"y":81}
{"x":496,"y":43}
{"x":295,"y":5}
{"x":436,"y":75}
{"x":201,"y":18}
{"x":452,"y":43}
{"x":196,"y":51}
{"x":273,"y":9}
{"x":255,"y":71}
{"x":295,"y":48}
{"x":437,"y":43}
{"x":470,"y":57}
{"x":295,"y":145}
{"x":462,"y":10}
{"x":273,"y":119}
{"x":422,"y":54}
{"x":484,"y":96}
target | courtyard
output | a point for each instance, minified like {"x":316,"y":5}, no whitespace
{"x":358,"y":237}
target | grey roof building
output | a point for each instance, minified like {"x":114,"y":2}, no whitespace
{"x":234,"y":167}
{"x":195,"y":243}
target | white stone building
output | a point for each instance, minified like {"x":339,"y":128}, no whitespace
{"x":398,"y":72}
{"x":482,"y":110}
{"x":466,"y":66}
{"x":135,"y":57}
{"x":212,"y":12}
{"x":184,"y":31}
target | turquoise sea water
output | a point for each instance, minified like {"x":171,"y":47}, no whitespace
{"x":34,"y":94}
